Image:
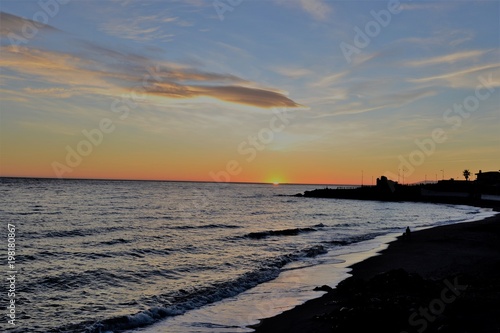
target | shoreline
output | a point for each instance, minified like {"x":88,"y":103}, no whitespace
{"x":469,"y":251}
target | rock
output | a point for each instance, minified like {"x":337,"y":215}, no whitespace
{"x":323,"y":288}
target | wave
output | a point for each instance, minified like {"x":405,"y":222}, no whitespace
{"x":98,"y":278}
{"x":99,"y":253}
{"x":181,"y":301}
{"x":314,"y":251}
{"x":37,"y":211}
{"x":283,"y":232}
{"x":208,"y":226}
{"x":353,"y":240}
{"x":71,"y":280}
{"x":72,"y":232}
{"x":176,"y":304}
{"x":115,"y":241}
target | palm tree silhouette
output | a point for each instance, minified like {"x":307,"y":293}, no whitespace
{"x":466,"y":174}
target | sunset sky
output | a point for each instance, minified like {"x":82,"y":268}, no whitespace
{"x":301,"y":91}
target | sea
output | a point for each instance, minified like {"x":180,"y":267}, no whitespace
{"x":145,"y":256}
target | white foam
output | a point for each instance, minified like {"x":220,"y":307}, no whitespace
{"x":294,"y":286}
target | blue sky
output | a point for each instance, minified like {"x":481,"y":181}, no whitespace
{"x":221,"y":77}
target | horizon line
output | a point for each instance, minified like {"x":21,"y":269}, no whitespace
{"x":172,"y":181}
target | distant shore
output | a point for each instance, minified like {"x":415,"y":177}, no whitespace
{"x":447,"y":192}
{"x":442,"y":279}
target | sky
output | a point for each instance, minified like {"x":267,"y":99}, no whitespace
{"x":296,"y":91}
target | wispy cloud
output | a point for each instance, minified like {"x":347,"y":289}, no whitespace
{"x":329,"y":79}
{"x":450,"y":37}
{"x":52,"y":67}
{"x":234,"y":94}
{"x":351,"y":109}
{"x":393,"y":100}
{"x":13,"y":96}
{"x":318,"y":9}
{"x":142,"y":28}
{"x":64,"y":69}
{"x":15,"y":24}
{"x":465,"y":78}
{"x":425,"y":6}
{"x":459,"y":37}
{"x":448,"y":58}
{"x":405,"y":97}
{"x":52,"y":92}
{"x":235,"y":50}
{"x":292,"y":72}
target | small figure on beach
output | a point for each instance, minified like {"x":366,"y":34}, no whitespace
{"x":407,"y":234}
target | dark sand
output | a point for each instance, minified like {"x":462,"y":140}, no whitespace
{"x":444,"y":279}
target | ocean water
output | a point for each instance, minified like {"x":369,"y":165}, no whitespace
{"x":113,"y":256}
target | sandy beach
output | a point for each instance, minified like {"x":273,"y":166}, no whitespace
{"x":442,"y":279}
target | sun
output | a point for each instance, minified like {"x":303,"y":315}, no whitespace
{"x":276,"y":181}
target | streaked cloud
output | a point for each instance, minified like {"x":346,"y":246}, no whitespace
{"x":238,"y":51}
{"x":142,"y":28}
{"x":329,"y":79}
{"x":449,"y":58}
{"x":350,"y":110}
{"x":458,"y":37}
{"x":465,"y":78}
{"x":388,"y":101}
{"x":318,"y":9}
{"x":49,"y":66}
{"x":450,"y":37}
{"x":234,"y":94}
{"x":51,"y":92}
{"x":15,"y":24}
{"x":426,"y":6}
{"x":67,"y":69}
{"x":293,"y":72}
{"x":405,"y":97}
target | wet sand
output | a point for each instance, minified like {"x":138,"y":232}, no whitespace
{"x":442,"y":279}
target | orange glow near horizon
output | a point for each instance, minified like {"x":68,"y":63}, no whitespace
{"x":115,"y":162}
